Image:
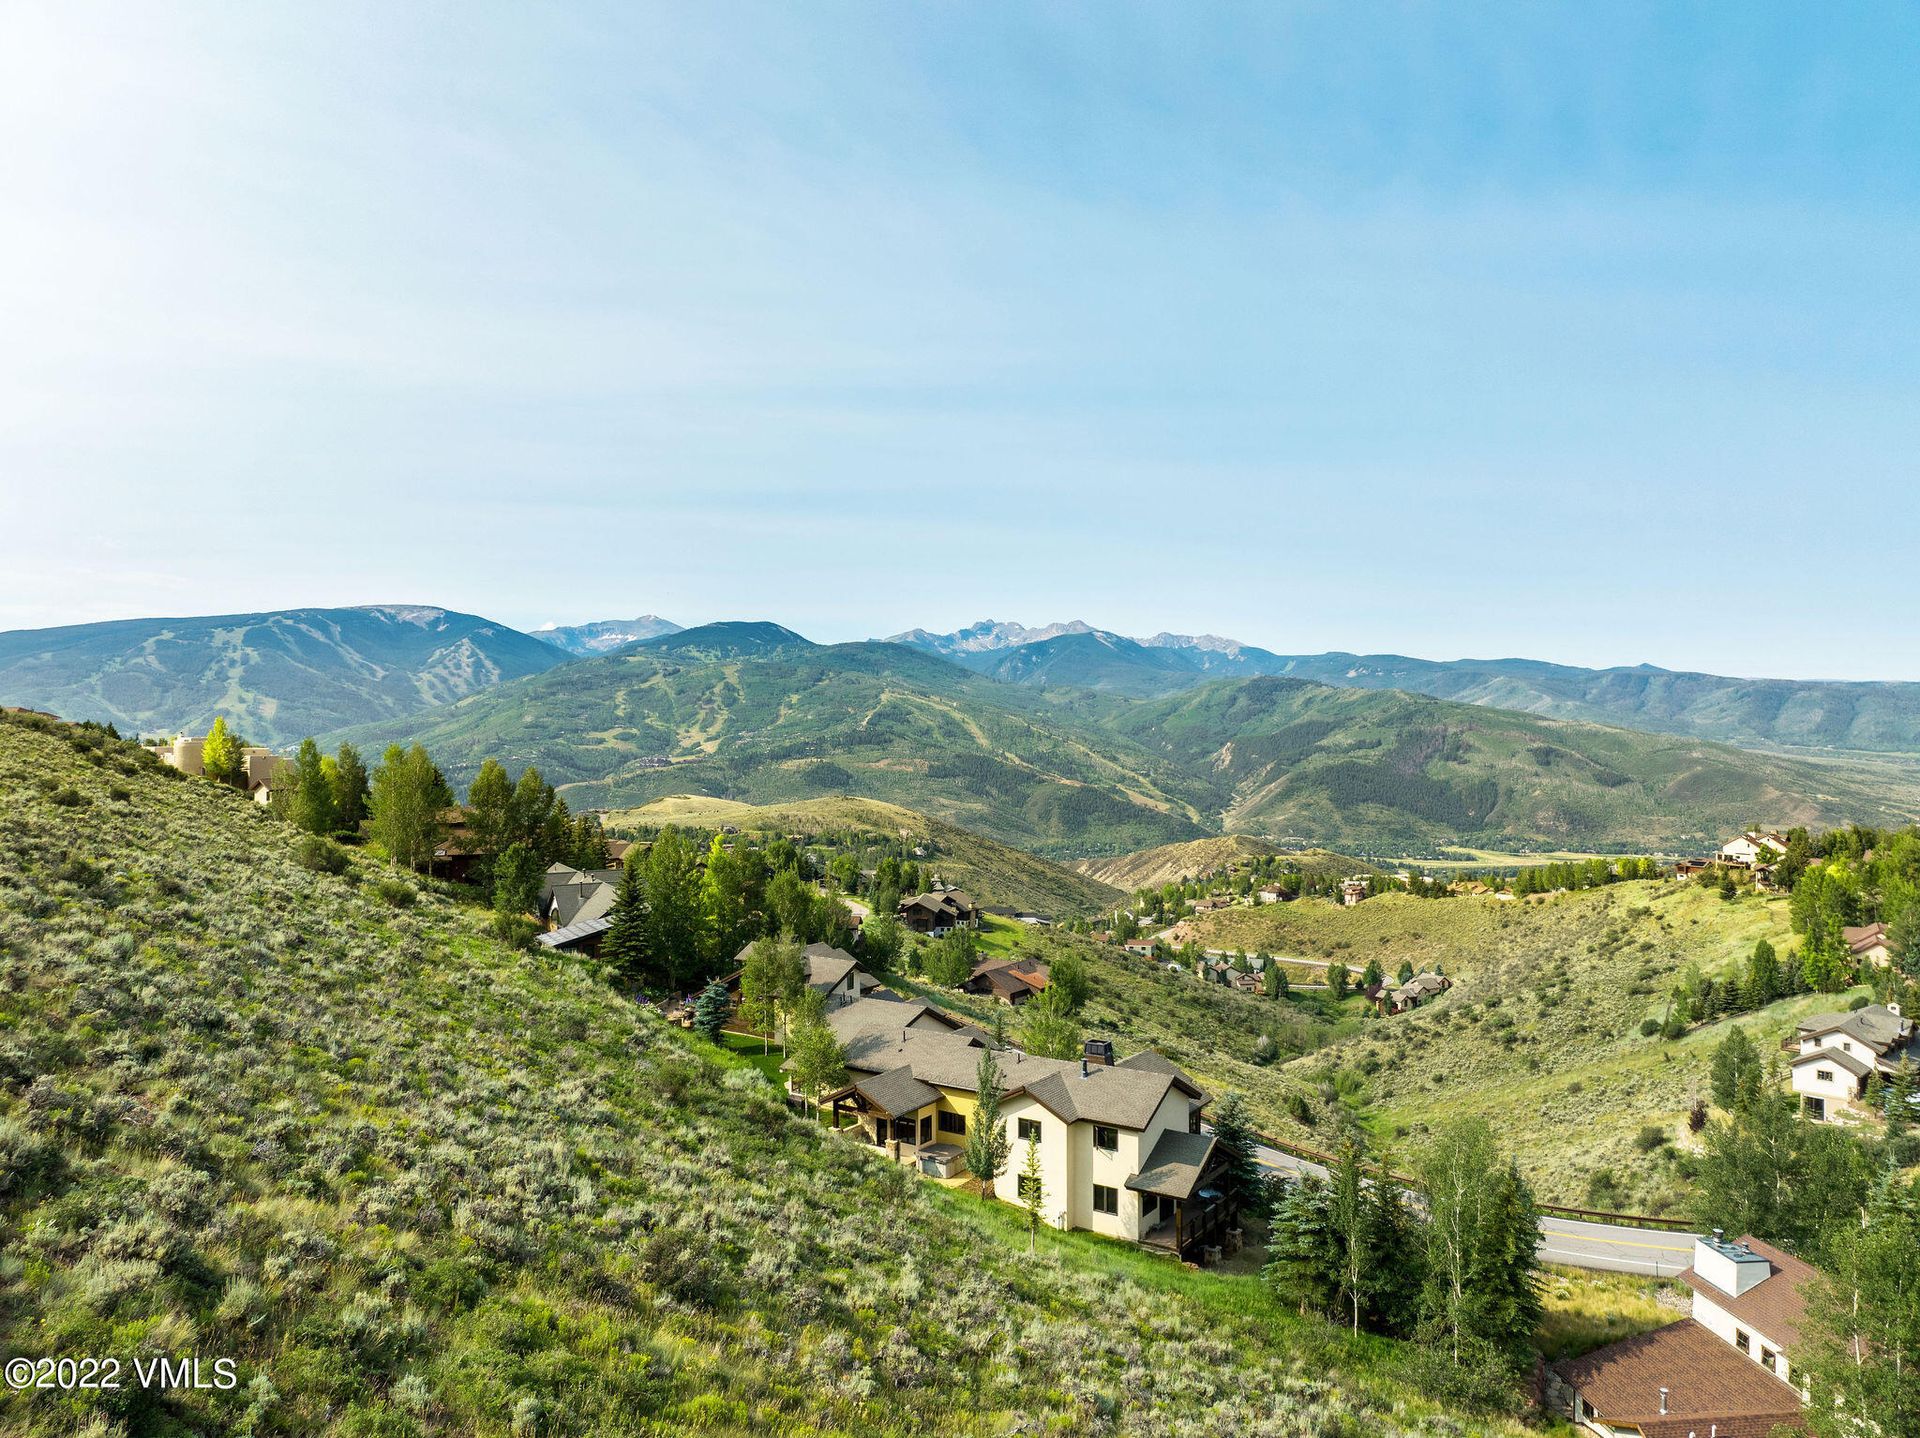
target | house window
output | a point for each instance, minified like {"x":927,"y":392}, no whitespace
{"x":1029,"y":1129}
{"x":1824,"y":1075}
{"x":1029,"y":1187}
{"x":1106,"y":1136}
{"x":951,"y":1122}
{"x":1105,"y":1199}
{"x":1740,"y":1340}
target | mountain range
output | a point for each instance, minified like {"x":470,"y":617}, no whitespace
{"x":1839,"y":716}
{"x":756,"y":713}
{"x":1066,"y":740}
{"x":603,"y":636}
{"x":278,"y":676}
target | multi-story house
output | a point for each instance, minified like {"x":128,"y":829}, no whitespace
{"x":1752,"y":848}
{"x":1836,"y":1055}
{"x":1119,"y":1143}
{"x":1723,"y":1372}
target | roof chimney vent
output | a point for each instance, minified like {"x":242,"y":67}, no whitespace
{"x":1084,"y":1071}
{"x":1663,"y":1400}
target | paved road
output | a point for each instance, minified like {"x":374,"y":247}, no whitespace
{"x":1612,"y":1248}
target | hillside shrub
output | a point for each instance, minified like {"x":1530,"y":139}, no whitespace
{"x":396,"y":892}
{"x":321,"y":856}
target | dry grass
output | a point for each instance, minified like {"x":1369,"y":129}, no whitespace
{"x":1585,"y":1311}
{"x":1540,"y":1032}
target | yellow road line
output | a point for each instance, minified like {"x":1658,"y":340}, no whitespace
{"x":1617,"y":1242}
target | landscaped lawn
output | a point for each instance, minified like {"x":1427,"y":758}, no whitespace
{"x":1003,"y":937}
{"x":747,"y":1047}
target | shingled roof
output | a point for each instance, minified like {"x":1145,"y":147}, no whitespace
{"x":1775,"y":1305}
{"x":1176,"y":1165}
{"x":1707,"y":1382}
{"x":880,"y":1041}
{"x":1876,"y":1026}
{"x":895,"y":1093}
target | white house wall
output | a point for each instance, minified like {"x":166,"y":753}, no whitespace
{"x":1712,"y":1316}
{"x":1070,"y":1165}
{"x":1841,"y":1088}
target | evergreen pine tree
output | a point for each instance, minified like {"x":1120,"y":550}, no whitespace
{"x":624,"y":945}
{"x":1300,"y":1248}
{"x":711,"y":1011}
{"x":986,"y":1136}
{"x":349,"y":788}
{"x":1242,"y":1184}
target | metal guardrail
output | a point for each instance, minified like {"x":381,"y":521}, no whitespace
{"x":1589,"y":1215}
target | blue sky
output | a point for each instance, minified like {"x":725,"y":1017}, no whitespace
{"x":1581,"y":333}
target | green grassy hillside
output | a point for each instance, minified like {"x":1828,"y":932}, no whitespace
{"x":702,"y":713}
{"x":1541,"y":1031}
{"x":279,"y":677}
{"x":993,"y":873}
{"x":1373,"y":769}
{"x":414,"y":1182}
{"x":757,"y":714}
{"x":1173,"y":863}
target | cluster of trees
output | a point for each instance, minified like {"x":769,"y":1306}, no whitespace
{"x":327,"y":794}
{"x":1698,"y":998}
{"x":1847,"y":877}
{"x":680,"y":916}
{"x":775,"y":998}
{"x":1844,"y":1201}
{"x":1580,"y":874}
{"x":1454,"y":1270}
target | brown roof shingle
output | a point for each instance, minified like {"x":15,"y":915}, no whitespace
{"x":1775,"y":1305}
{"x":1707,"y":1382}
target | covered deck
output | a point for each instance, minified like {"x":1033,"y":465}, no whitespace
{"x":1181,"y":1207}
{"x":895,"y":1112}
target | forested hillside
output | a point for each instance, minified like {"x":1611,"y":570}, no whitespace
{"x":1352,"y":768}
{"x":755,"y":713}
{"x":414,"y":1182}
{"x":278,"y":677}
{"x":1863,"y":716}
{"x":993,"y":873}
